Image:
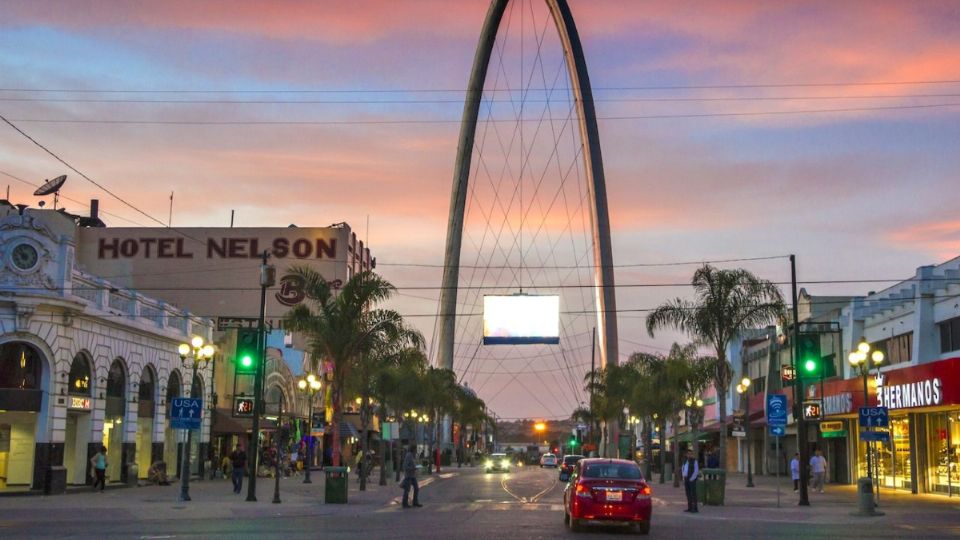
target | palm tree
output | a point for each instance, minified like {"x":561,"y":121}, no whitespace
{"x":726,"y":303}
{"x":341,"y":327}
{"x":611,"y":387}
{"x":388,"y":351}
{"x":394,"y":388}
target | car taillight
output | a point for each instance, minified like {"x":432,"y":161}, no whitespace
{"x":583,"y":491}
{"x":644,"y":491}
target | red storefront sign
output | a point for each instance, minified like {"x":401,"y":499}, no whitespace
{"x":927,"y":385}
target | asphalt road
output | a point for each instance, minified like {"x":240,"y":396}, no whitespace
{"x":526,"y":503}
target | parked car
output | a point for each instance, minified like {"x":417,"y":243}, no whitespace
{"x":566,"y":466}
{"x":548,"y":460}
{"x":607,"y":491}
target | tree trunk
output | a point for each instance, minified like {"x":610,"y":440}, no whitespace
{"x":337,"y":415}
{"x":364,"y":440}
{"x":382,"y":453}
{"x":647,"y":447}
{"x":722,"y":402}
{"x":663,"y":451}
{"x":676,"y":451}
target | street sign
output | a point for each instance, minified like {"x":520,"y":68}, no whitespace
{"x":874,"y":417}
{"x":787,"y":373}
{"x":777,"y":410}
{"x":834,"y":434}
{"x":777,"y":431}
{"x":826,"y":427}
{"x":883,"y":436}
{"x":737,"y":433}
{"x":812,"y":409}
{"x":186,"y":413}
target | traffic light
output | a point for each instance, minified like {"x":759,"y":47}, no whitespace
{"x":812,"y":364}
{"x":573,"y":442}
{"x":247,"y":353}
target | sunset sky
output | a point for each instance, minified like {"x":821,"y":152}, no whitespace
{"x":864,"y":189}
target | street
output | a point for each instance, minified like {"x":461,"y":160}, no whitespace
{"x":458,"y":503}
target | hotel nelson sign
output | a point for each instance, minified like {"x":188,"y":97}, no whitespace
{"x":213,"y":271}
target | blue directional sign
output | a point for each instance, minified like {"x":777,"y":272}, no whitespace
{"x":186,"y":413}
{"x":777,"y":410}
{"x":874,"y":417}
{"x":777,"y":431}
{"x":883,"y":436}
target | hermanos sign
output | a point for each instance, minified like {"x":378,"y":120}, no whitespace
{"x":215,"y":271}
{"x":921,"y":393}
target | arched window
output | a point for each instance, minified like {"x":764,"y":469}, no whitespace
{"x":116,"y":380}
{"x":79,"y":382}
{"x":275,"y":402}
{"x":147,"y":389}
{"x":173,"y":386}
{"x":197,"y":389}
{"x":20,"y":366}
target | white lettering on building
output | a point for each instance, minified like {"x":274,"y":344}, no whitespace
{"x":838,"y":404}
{"x":925,"y":393}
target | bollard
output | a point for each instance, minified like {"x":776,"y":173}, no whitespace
{"x":865,"y":506}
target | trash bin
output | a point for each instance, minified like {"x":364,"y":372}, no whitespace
{"x":711,"y":487}
{"x":335,"y":486}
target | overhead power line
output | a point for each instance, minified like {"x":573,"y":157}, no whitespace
{"x":427,"y":121}
{"x":463,"y":90}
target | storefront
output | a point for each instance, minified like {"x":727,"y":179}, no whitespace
{"x":78,"y":430}
{"x":923,"y":453}
{"x":20,"y":404}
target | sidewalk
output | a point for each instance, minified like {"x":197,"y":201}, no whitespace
{"x":835,"y":505}
{"x":210,"y":499}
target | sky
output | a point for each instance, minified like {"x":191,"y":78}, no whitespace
{"x":729,"y":130}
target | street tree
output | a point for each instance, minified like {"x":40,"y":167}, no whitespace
{"x":341,"y":326}
{"x":725,"y":303}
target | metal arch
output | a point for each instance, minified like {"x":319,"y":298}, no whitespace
{"x":593,"y":162}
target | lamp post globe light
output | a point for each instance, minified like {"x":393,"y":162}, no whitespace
{"x":193,"y":355}
{"x":695,"y":416}
{"x":742,"y":390}
{"x":311,"y":387}
{"x":863,"y":360}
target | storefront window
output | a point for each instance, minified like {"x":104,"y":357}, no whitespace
{"x":943,"y":445}
{"x":79,"y":382}
{"x":891,"y":461}
{"x":19,"y":366}
{"x":113,"y":418}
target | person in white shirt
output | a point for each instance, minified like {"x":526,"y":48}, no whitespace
{"x":690,"y":472}
{"x":795,"y":471}
{"x":818,"y":466}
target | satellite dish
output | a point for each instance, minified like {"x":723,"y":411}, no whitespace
{"x":51,"y":186}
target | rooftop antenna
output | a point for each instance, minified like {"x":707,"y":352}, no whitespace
{"x":51,"y":186}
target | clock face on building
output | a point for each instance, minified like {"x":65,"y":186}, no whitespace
{"x":24,"y":256}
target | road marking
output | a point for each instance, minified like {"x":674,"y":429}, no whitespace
{"x":448,"y":475}
{"x":544,"y":492}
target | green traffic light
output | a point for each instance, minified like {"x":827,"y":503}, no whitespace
{"x":810,"y":366}
{"x":246,"y":361}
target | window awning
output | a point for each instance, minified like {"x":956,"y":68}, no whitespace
{"x":689,"y":436}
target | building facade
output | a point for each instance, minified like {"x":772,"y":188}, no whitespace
{"x":84,"y":363}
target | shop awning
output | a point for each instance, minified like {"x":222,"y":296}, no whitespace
{"x":689,"y":436}
{"x":347,"y":430}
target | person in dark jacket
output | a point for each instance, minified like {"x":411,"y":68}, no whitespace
{"x":410,"y":478}
{"x":239,"y":460}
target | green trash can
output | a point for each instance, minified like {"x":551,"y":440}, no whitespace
{"x":711,"y":486}
{"x":335,"y":486}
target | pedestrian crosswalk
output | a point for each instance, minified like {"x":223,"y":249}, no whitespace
{"x":495,"y":506}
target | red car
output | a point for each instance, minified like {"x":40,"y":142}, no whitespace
{"x":607,"y":491}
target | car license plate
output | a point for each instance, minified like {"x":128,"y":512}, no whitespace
{"x":614,"y":495}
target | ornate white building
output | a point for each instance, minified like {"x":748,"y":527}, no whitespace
{"x":83,"y":363}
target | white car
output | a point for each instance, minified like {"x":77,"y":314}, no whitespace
{"x":497,"y":462}
{"x":548,"y":460}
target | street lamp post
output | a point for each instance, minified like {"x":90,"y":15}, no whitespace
{"x":310,"y":386}
{"x":695,"y":415}
{"x":192,"y":355}
{"x":863,"y":359}
{"x":742,"y":390}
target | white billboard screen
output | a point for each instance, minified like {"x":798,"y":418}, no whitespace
{"x":521,"y":319}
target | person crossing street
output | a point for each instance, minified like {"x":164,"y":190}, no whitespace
{"x":410,"y":478}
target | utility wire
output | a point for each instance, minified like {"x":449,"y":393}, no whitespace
{"x":431,"y":90}
{"x":412,"y":121}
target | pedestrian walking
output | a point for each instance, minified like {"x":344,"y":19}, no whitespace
{"x":98,"y":465}
{"x":410,"y":478}
{"x":818,"y":466}
{"x":238,"y":458}
{"x":690,"y":472}
{"x":795,"y":471}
